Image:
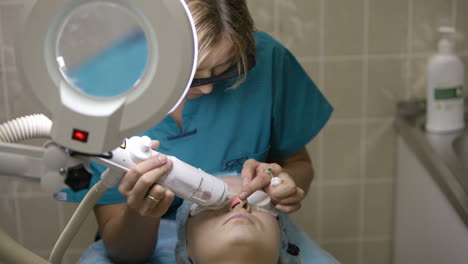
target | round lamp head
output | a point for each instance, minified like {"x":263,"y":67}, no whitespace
{"x":107,"y":69}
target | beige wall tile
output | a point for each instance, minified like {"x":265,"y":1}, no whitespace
{"x":465,"y":62}
{"x":5,"y":185}
{"x":88,"y":230}
{"x":388,"y":26}
{"x":377,"y":252}
{"x":340,"y":218}
{"x":461,"y":25}
{"x":10,"y":16}
{"x":380,"y":150}
{"x":343,"y":87}
{"x":428,"y":15}
{"x":3,"y":100}
{"x":307,"y":217}
{"x":341,"y":152}
{"x":3,"y":117}
{"x":418,"y":82}
{"x":378,"y":210}
{"x":313,"y":70}
{"x":10,"y":59}
{"x":344,"y":27}
{"x":345,"y":252}
{"x":387,"y":81}
{"x":39,"y":219}
{"x":8,"y":221}
{"x":262,"y":12}
{"x":299,"y":29}
{"x":25,"y":103}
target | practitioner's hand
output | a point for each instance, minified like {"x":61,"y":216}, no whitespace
{"x":140,"y":188}
{"x":257,"y":176}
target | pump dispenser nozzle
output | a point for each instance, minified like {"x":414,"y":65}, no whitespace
{"x":445,"y":43}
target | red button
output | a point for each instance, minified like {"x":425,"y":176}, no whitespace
{"x":80,"y":135}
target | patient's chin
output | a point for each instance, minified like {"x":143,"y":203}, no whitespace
{"x":242,"y":234}
{"x":237,"y":243}
{"x":251,"y":248}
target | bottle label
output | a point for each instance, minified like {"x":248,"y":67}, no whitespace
{"x":448,"y":93}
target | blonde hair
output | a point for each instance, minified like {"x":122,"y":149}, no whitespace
{"x":230,"y":19}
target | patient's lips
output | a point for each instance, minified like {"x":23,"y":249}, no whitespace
{"x":239,"y":217}
{"x":239,"y":213}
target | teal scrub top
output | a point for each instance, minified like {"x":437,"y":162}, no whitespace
{"x":273,"y":114}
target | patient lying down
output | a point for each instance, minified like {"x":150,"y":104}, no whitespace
{"x":242,"y":232}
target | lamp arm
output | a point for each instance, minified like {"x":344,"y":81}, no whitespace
{"x":22,"y":161}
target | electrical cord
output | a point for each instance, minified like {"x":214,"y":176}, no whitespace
{"x":109,"y":179}
{"x":76,"y":221}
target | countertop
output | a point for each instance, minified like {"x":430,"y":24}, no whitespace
{"x":438,"y":153}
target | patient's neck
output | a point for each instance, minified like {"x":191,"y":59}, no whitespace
{"x":241,"y":254}
{"x":238,"y":259}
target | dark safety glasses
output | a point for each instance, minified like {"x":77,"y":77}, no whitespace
{"x":231,"y":72}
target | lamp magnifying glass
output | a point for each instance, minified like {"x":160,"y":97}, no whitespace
{"x":102,"y":49}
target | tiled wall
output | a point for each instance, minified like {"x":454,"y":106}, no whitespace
{"x":365,"y":55}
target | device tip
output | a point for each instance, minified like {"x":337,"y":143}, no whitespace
{"x":235,"y":201}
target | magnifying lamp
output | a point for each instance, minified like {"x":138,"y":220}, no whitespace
{"x":106,"y":69}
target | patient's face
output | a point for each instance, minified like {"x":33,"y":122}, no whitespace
{"x":233,"y":232}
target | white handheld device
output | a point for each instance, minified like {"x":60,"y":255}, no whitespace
{"x":184,"y":180}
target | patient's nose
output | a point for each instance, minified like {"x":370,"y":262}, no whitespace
{"x":238,"y":203}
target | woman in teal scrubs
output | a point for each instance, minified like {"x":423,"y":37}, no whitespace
{"x":251,"y":111}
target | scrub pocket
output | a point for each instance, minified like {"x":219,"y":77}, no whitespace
{"x":235,"y":162}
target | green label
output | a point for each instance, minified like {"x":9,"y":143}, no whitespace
{"x":449,"y":93}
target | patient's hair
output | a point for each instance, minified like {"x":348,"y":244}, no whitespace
{"x":230,"y":19}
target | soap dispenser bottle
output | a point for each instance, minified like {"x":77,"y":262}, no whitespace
{"x":445,"y":104}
